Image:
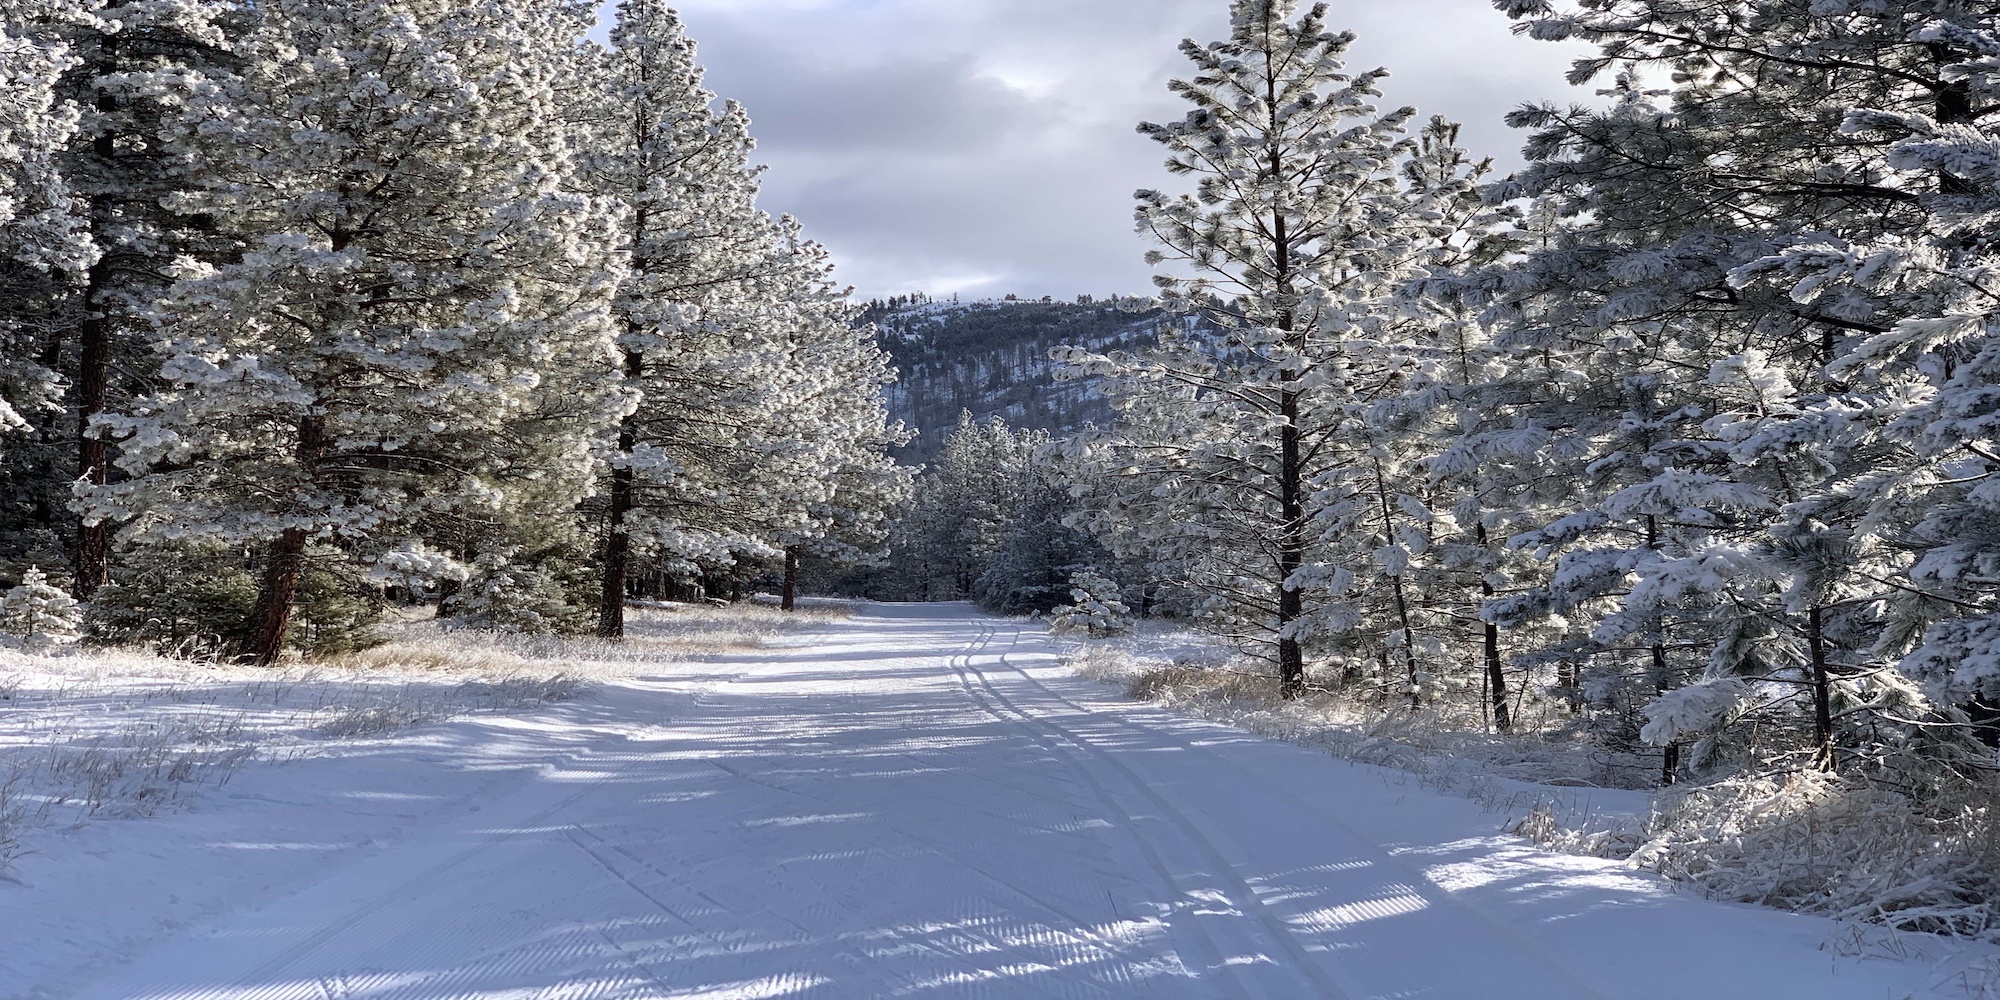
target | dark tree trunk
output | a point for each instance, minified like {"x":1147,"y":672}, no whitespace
{"x":1396,"y":590}
{"x":271,"y":622}
{"x":1670,"y":763}
{"x":1570,"y":680}
{"x":1291,"y":470}
{"x":284,"y":564}
{"x":93,"y":557}
{"x":1291,"y":550}
{"x":791,"y":599}
{"x":1822,"y":688}
{"x":1496,"y":675}
{"x":93,"y":376}
{"x":618,"y":537}
{"x":93,"y":551}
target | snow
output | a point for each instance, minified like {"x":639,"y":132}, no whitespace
{"x":919,"y":801}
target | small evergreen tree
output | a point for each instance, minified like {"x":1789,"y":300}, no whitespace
{"x":1097,"y":608}
{"x":40,"y":616}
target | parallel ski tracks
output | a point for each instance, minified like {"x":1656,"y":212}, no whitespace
{"x":1045,"y":861}
{"x":1184,"y":818}
{"x":1067,"y":746}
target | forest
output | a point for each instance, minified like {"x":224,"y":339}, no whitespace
{"x":1676,"y":443}
{"x":314,"y":309}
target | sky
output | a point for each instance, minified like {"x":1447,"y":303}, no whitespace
{"x":989,"y":147}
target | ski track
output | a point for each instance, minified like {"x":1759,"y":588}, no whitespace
{"x":923,"y":803}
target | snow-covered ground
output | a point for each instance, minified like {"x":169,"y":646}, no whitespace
{"x":1534,"y":776}
{"x":920,"y":801}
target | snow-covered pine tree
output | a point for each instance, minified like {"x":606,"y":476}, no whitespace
{"x":759,"y":433}
{"x":842,"y":482}
{"x":1414,"y":538}
{"x":682,"y":170}
{"x":418,"y":319}
{"x":39,"y":615}
{"x":43,"y":240}
{"x":132,"y":64}
{"x":1030,"y":570}
{"x":1921,"y":371}
{"x":1097,"y":608}
{"x":1730,"y":495}
{"x":1298,"y":233}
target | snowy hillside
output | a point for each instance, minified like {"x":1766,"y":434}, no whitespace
{"x":992,"y":358}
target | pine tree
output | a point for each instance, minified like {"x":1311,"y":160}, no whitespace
{"x":1031,"y":569}
{"x":417,"y":322}
{"x":843,"y":482}
{"x":1729,"y":499}
{"x":39,"y":615}
{"x":134,"y":65}
{"x":45,"y":252}
{"x":682,"y":171}
{"x":759,"y":433}
{"x":1097,"y":610}
{"x":963,"y":508}
{"x":1234,"y":448}
{"x":1919,"y":373}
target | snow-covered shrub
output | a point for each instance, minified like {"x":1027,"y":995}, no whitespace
{"x":191,"y":600}
{"x":525,"y":598}
{"x":339,"y":611}
{"x":1099,"y":610}
{"x":39,"y":615}
{"x":195,"y":600}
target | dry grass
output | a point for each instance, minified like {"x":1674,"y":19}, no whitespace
{"x":1853,"y":849}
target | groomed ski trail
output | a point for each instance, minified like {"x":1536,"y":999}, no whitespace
{"x":923,"y":803}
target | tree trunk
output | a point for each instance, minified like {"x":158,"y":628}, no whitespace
{"x":1822,"y":688}
{"x":618,"y":538}
{"x":271,"y":622}
{"x":1291,"y":550}
{"x":791,"y":599}
{"x":93,"y":377}
{"x":285,"y":563}
{"x":93,"y":556}
{"x":1670,"y":764}
{"x":1496,"y":675}
{"x":1291,"y":471}
{"x":1396,"y":589}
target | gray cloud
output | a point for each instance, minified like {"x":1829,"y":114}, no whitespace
{"x":988,"y":146}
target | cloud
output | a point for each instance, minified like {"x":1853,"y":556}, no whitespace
{"x":988,"y":146}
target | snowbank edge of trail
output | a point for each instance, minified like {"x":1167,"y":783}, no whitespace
{"x":1552,"y":812}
